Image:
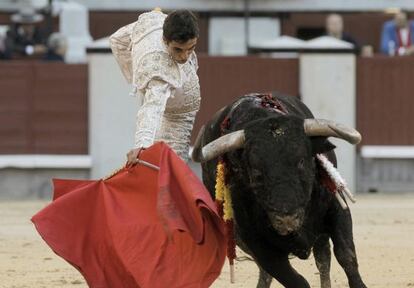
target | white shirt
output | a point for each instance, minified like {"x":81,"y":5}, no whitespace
{"x":404,"y":32}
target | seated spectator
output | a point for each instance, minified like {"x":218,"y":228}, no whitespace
{"x":398,"y":36}
{"x":335,"y":28}
{"x":56,"y":47}
{"x":24,"y":38}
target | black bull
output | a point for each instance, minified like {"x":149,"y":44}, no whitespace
{"x":280,"y":205}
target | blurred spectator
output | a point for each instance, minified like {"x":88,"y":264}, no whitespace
{"x":335,"y":28}
{"x":24,"y":38}
{"x":398,"y":36}
{"x":3,"y":51}
{"x":56,"y":47}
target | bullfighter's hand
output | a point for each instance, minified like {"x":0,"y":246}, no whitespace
{"x":132,"y":156}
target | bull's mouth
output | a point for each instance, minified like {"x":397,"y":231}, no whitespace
{"x":284,"y":231}
{"x":287,"y":224}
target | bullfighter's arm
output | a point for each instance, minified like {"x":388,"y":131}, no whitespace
{"x":156,"y":76}
{"x":121,"y":49}
{"x":150,"y":113}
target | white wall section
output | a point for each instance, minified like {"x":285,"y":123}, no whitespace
{"x":328,"y":88}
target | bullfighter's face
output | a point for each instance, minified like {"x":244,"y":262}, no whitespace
{"x":281,"y":169}
{"x":181,"y":52}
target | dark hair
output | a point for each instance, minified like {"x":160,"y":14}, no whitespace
{"x":180,"y":26}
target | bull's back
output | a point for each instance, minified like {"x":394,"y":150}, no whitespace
{"x":293,"y":105}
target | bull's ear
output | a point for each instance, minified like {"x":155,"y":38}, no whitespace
{"x":321,"y":145}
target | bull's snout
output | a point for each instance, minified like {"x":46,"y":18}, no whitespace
{"x":286,"y":224}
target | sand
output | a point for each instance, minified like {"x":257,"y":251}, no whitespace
{"x":383,"y":233}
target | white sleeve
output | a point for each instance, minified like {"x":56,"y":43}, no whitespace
{"x":149,"y":114}
{"x":120,"y":43}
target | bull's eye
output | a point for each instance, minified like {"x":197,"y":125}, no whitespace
{"x":301,"y":164}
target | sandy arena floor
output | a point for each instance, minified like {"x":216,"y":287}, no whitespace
{"x":383,"y":229}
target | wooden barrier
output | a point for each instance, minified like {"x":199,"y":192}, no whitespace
{"x":385,"y":100}
{"x":43,"y":108}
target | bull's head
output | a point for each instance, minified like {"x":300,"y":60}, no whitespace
{"x":278,"y":156}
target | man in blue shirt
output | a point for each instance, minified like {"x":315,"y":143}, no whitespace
{"x":398,"y":36}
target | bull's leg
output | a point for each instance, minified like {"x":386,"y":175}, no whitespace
{"x":265,"y":280}
{"x":344,"y":247}
{"x":278,"y":267}
{"x":322,"y":254}
{"x":270,"y":261}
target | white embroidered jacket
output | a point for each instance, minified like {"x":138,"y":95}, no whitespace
{"x":170,"y":91}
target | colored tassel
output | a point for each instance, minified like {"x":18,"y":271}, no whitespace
{"x":224,"y":205}
{"x":336,"y":184}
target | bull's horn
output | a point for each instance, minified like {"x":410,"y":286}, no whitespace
{"x":224,"y":144}
{"x":320,"y":127}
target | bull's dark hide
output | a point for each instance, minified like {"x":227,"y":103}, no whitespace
{"x":280,"y":206}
